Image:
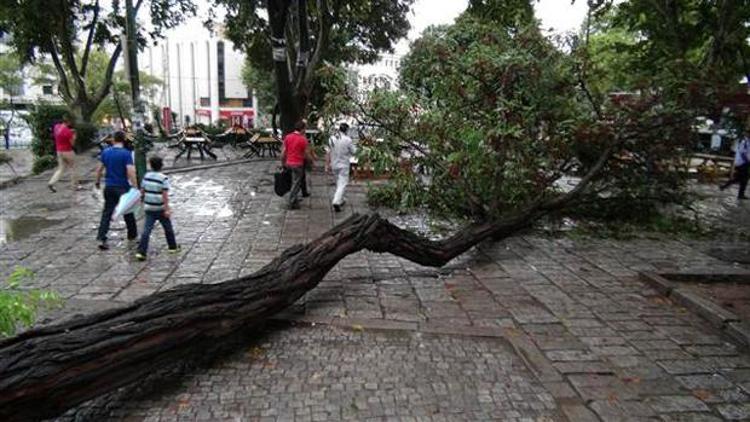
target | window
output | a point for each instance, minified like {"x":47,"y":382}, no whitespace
{"x":47,"y":90}
{"x":220,"y":70}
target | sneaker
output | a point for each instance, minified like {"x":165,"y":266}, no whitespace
{"x":743,"y":197}
{"x":103,"y":246}
{"x":140,"y":256}
{"x":176,"y":250}
{"x":52,"y":188}
{"x":337,"y":207}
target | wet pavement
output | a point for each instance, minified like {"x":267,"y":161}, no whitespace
{"x":530,"y":328}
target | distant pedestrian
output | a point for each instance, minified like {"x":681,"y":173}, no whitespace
{"x":294,"y":155}
{"x":155,"y":194}
{"x":341,"y":149}
{"x":117,"y":164}
{"x":741,"y":166}
{"x":65,"y":140}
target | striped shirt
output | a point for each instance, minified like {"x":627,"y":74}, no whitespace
{"x":154,"y":183}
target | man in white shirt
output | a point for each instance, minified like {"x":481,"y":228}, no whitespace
{"x":741,"y":166}
{"x":340,"y":151}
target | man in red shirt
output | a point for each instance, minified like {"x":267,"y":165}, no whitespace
{"x":296,"y":151}
{"x":65,"y":139}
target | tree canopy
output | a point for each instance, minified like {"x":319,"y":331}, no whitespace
{"x":307,"y":34}
{"x":69,"y":30}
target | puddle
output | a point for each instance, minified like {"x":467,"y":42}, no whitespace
{"x":50,"y":206}
{"x":12,"y":229}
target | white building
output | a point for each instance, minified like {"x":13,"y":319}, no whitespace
{"x":382,"y":74}
{"x":201,"y":80}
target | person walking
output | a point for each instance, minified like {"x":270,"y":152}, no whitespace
{"x":338,"y":158}
{"x":293,"y":156}
{"x":65,"y":140}
{"x":155,"y":194}
{"x":117,"y":163}
{"x":741,"y":166}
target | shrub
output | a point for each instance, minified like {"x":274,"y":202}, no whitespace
{"x":40,"y":119}
{"x":85,"y":136}
{"x":43,"y":163}
{"x":21,"y":307}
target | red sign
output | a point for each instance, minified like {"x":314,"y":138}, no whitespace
{"x":235,"y":117}
{"x":166,"y":119}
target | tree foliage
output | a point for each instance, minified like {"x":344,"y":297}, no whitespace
{"x":499,"y":120}
{"x":309,"y":34}
{"x":69,"y":30}
{"x":669,"y":44}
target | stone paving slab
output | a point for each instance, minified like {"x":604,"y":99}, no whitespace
{"x":328,"y":374}
{"x":572,"y":314}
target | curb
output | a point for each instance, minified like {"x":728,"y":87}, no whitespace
{"x":11,"y":182}
{"x":727,"y":322}
{"x":176,"y":170}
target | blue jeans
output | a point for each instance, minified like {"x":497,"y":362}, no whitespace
{"x":151,"y":218}
{"x":112,"y":196}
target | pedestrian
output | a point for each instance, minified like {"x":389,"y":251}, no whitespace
{"x":295,"y":153}
{"x":741,"y":166}
{"x":155,"y":191}
{"x":65,"y":140}
{"x":117,"y":163}
{"x":341,"y":149}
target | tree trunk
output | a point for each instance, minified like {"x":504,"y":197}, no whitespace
{"x":45,"y":371}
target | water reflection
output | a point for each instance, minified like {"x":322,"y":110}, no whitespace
{"x":12,"y":229}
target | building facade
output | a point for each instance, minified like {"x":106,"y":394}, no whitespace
{"x":201,"y":80}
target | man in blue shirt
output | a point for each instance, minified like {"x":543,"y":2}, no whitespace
{"x":741,"y":166}
{"x":117,"y":163}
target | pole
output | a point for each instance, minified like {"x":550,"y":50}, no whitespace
{"x":135,"y":90}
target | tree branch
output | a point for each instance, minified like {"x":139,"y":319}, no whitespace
{"x":324,"y":32}
{"x":47,"y":370}
{"x":64,"y":86}
{"x":89,"y":40}
{"x":104,"y":90}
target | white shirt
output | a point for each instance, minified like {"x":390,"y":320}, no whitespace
{"x":341,"y":148}
{"x":743,"y":148}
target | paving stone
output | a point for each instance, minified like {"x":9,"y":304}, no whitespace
{"x":674,"y":404}
{"x":601,"y":387}
{"x":735,"y":412}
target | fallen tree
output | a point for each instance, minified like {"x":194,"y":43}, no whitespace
{"x":45,"y":371}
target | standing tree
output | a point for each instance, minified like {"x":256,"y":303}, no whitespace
{"x":70,"y":30}
{"x":294,"y":38}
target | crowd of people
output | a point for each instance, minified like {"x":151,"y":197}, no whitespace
{"x":116,"y":167}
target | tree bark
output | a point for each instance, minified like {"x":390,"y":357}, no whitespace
{"x":45,"y":371}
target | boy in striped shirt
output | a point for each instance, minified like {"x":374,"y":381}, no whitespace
{"x":155,"y":194}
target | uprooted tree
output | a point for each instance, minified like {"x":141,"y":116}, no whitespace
{"x":496,"y":116}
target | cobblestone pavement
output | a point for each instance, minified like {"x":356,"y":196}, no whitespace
{"x":531,"y":328}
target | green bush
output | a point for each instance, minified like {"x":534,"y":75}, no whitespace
{"x":40,"y":119}
{"x":43,"y":163}
{"x":20,"y":307}
{"x":85,"y":136}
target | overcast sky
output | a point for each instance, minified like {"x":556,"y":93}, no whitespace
{"x":559,"y":15}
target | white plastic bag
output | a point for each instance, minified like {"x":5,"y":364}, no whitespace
{"x":128,"y":203}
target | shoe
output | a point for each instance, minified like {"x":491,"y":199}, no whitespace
{"x":140,"y":256}
{"x":742,"y":198}
{"x":176,"y":250}
{"x":293,"y":207}
{"x":306,"y":195}
{"x":337,"y":207}
{"x":52,"y":188}
{"x":103,"y":246}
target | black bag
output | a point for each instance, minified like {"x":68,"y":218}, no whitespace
{"x":282,"y":182}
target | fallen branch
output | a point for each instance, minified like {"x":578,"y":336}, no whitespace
{"x":45,"y":371}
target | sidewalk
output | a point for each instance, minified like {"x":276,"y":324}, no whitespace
{"x":531,"y":328}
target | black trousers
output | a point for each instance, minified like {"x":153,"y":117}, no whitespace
{"x":112,"y":195}
{"x":741,"y":176}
